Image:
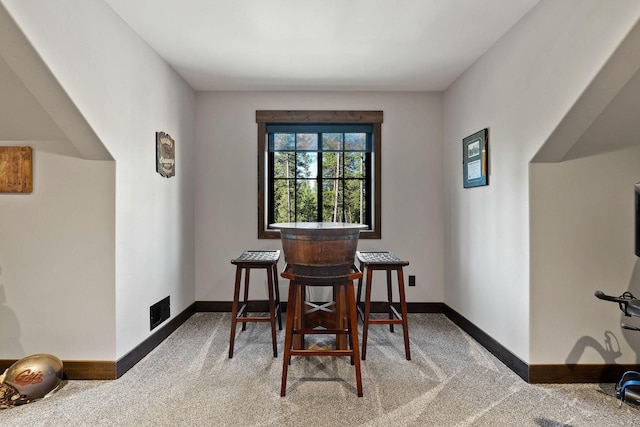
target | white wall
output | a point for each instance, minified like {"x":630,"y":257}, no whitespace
{"x":127,"y":92}
{"x":226,"y":183}
{"x":520,"y":89}
{"x":57,"y":259}
{"x":582,"y":240}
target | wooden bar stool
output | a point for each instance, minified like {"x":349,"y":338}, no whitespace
{"x":387,"y":261}
{"x":247,"y":261}
{"x":342,"y":282}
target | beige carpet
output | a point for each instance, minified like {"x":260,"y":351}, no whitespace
{"x":451,"y":381}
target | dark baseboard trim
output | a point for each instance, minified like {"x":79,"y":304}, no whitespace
{"x":217,"y":306}
{"x":5,"y":363}
{"x":418,"y":307}
{"x":134,"y":356}
{"x":534,"y":374}
{"x":541,"y":374}
{"x":564,"y":374}
{"x":90,"y":369}
{"x":512,"y":361}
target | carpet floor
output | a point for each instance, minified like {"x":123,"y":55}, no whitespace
{"x":451,"y":381}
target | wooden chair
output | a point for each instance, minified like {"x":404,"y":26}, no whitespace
{"x":249,"y":260}
{"x":343,"y":288}
{"x":386,"y":261}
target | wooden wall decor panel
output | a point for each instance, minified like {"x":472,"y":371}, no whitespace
{"x":16,"y":170}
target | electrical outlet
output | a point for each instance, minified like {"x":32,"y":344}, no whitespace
{"x":412,"y":280}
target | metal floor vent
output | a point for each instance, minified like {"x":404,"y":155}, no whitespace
{"x":159,"y":312}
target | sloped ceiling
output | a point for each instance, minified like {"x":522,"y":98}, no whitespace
{"x":36,"y":107}
{"x":617,"y":127}
{"x":22,"y":118}
{"x":606,"y":117}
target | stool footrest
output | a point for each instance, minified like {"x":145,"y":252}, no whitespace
{"x":320,"y":331}
{"x":385,"y":321}
{"x":242,"y":310}
{"x":321,"y":352}
{"x":398,"y":318}
{"x":253,"y":319}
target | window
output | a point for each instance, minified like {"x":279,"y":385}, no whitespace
{"x":319,"y":166}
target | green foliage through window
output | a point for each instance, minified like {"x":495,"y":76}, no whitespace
{"x":319,"y":173}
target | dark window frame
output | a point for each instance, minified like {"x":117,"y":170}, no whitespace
{"x":265,"y":117}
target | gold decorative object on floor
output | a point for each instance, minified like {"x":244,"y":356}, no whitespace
{"x":31,"y":378}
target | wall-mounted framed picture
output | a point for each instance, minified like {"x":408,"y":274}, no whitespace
{"x":475,"y":159}
{"x":165,"y":155}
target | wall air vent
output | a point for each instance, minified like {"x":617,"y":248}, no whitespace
{"x":159,"y":312}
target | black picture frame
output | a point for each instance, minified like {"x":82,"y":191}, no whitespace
{"x":475,"y":159}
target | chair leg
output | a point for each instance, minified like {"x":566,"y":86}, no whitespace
{"x":274,"y":271}
{"x":234,"y":310}
{"x":247,"y":272}
{"x":367,"y":313}
{"x":288,"y":336}
{"x":353,"y":333}
{"x":272,"y":312}
{"x":342,"y":314}
{"x":299,"y":315}
{"x":343,"y":290}
{"x":389,"y":299}
{"x":359,"y":294}
{"x":403,"y":308}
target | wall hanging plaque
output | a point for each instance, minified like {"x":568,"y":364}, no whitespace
{"x":16,"y":170}
{"x":165,"y":155}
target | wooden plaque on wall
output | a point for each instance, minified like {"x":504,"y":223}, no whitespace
{"x":16,"y":170}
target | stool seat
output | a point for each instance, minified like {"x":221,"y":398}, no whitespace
{"x":380,"y":258}
{"x":257,"y":257}
{"x":386,"y":261}
{"x":247,"y":261}
{"x":342,"y":282}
